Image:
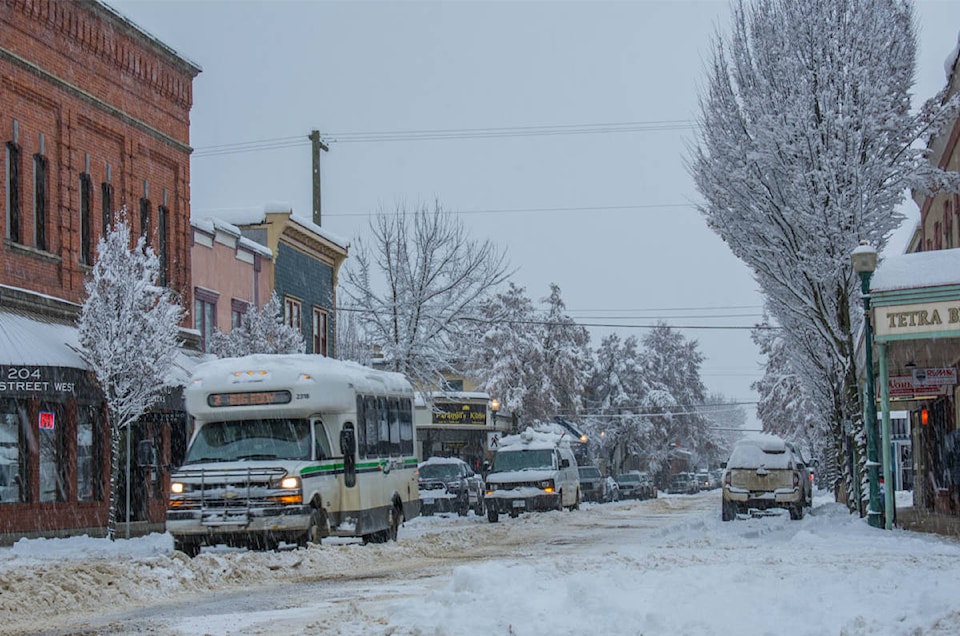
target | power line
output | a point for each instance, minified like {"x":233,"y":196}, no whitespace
{"x":577,"y":208}
{"x":447,"y":133}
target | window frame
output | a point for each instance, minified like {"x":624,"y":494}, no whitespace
{"x":204,"y":302}
{"x":40,"y":202}
{"x":320,"y":343}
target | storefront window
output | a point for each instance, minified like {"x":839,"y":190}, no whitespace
{"x":88,"y":459}
{"x":12,"y":454}
{"x":50,"y":428}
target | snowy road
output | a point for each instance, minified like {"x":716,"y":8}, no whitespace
{"x":667,"y":566}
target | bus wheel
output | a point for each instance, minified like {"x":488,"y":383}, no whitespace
{"x":314,"y":532}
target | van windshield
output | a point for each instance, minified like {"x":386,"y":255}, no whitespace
{"x":241,"y":440}
{"x":523,"y":459}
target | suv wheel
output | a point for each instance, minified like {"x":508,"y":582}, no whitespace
{"x":728,"y":511}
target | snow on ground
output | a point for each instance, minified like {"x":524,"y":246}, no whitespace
{"x":666,"y":566}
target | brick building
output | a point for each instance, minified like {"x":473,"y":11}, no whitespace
{"x":94,"y":116}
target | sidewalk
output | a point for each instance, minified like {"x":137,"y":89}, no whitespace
{"x":918,"y":520}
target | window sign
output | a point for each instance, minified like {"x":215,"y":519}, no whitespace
{"x":47,"y":420}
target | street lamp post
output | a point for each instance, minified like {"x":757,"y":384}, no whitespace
{"x":864,"y":259}
{"x":495,"y":408}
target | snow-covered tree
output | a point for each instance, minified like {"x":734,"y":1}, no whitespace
{"x":785,"y":408}
{"x":807,"y":148}
{"x":505,"y":349}
{"x":563,"y":365}
{"x":671,"y":365}
{"x":416,"y":280}
{"x":128,"y":331}
{"x":261,"y":331}
{"x":615,"y":401}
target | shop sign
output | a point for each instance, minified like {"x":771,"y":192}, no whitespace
{"x":904,"y":387}
{"x":935,"y":376}
{"x":920,"y":318}
{"x":26,"y":381}
{"x":459,"y":413}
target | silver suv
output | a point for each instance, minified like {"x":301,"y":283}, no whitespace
{"x":765,"y":472}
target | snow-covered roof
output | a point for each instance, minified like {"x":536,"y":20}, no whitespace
{"x":534,"y":439}
{"x":951,"y":60}
{"x":34,"y":340}
{"x":916,"y":270}
{"x":258,"y":216}
{"x":441,"y":460}
{"x":212,"y":225}
{"x":456,"y":395}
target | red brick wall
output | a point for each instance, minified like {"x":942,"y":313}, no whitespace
{"x":94,"y":87}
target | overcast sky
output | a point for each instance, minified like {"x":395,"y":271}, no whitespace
{"x":603,"y":210}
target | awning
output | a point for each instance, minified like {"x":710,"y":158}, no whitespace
{"x":32,"y":339}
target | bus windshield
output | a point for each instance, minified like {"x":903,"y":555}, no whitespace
{"x":251,"y":440}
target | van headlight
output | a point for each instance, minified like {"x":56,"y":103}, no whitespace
{"x":178,"y":487}
{"x":290,"y":483}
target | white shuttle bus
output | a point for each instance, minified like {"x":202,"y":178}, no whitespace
{"x":293,"y":448}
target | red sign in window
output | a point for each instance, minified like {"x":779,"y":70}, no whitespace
{"x":48,"y":420}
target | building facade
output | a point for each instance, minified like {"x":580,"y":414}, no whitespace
{"x":916,"y":300}
{"x":306,"y":264}
{"x":94,"y":116}
{"x":231,"y":273}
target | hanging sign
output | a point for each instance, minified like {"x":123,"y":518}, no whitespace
{"x":935,"y":376}
{"x":903,"y":387}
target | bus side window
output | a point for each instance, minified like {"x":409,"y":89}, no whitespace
{"x":394,"y":409}
{"x":321,"y":441}
{"x":371,"y":427}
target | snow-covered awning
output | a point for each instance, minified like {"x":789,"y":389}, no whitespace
{"x":32,"y":339}
{"x":917,"y":270}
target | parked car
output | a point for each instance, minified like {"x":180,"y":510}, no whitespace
{"x":613,"y":489}
{"x":593,"y":484}
{"x":448,"y":484}
{"x":534,"y":470}
{"x":636,"y":485}
{"x":684,"y":483}
{"x":765,"y":472}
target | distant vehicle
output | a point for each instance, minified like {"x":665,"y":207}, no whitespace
{"x":448,"y":484}
{"x":765,"y":472}
{"x":684,"y":483}
{"x":532,"y":471}
{"x":636,"y":485}
{"x":593,"y":485}
{"x":705,"y":480}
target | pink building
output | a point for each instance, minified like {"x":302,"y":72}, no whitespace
{"x":230,"y":273}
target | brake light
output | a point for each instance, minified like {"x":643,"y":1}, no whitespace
{"x":811,"y":478}
{"x":726,"y":478}
{"x":796,"y":480}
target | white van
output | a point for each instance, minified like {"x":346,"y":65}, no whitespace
{"x":532,"y":471}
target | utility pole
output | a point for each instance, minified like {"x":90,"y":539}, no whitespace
{"x":317,"y":146}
